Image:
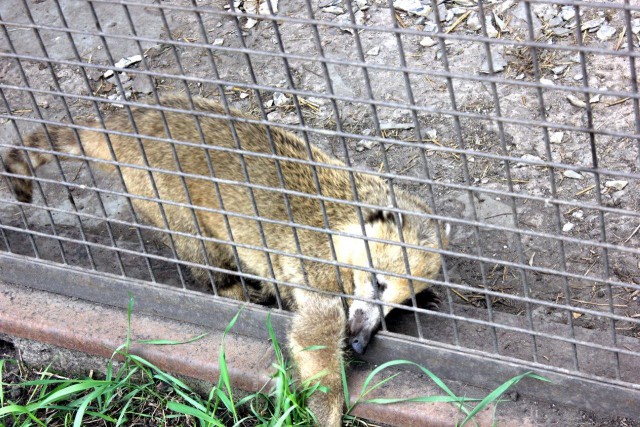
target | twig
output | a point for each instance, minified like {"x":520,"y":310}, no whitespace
{"x":619,"y":101}
{"x":633,"y":234}
{"x":599,"y":303}
{"x":586,"y":190}
{"x":458,"y":21}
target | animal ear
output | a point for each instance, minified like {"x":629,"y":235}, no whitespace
{"x":384,"y":215}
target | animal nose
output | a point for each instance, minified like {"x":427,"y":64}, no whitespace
{"x":357,"y":346}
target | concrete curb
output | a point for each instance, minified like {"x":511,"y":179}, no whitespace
{"x":98,"y":330}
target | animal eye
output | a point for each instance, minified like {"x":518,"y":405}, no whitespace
{"x":380,"y":284}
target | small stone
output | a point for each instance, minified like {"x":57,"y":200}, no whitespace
{"x":594,"y":99}
{"x":530,"y":158}
{"x":268,"y":103}
{"x":374,"y":51}
{"x":473,"y":22}
{"x":393,"y":125}
{"x":568,"y":13}
{"x":335,"y":10}
{"x":578,"y":77}
{"x":244,"y":95}
{"x":442,"y":12}
{"x":280,"y":99}
{"x":414,"y":7}
{"x":556,"y":21}
{"x":616,"y":184}
{"x":578,"y":214}
{"x":362,"y":4}
{"x":605,"y":32}
{"x":592,"y":24}
{"x":618,"y":196}
{"x":141,"y":84}
{"x":364,"y":144}
{"x":491,"y":30}
{"x":429,"y":134}
{"x":264,"y":7}
{"x":560,"y":31}
{"x":123,"y":63}
{"x":499,"y":22}
{"x":572,"y":174}
{"x":568,"y":227}
{"x":576,"y":102}
{"x":503,"y":6}
{"x":218,"y":42}
{"x":449,"y":15}
{"x":428,"y":42}
{"x":430,"y":27}
{"x":635,"y":26}
{"x":547,"y":82}
{"x":556,"y":137}
{"x":497,"y":60}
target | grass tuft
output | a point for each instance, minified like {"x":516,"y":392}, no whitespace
{"x":136,"y":392}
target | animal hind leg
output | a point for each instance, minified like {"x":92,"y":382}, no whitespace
{"x":320,"y":322}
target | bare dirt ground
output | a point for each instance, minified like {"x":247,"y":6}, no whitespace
{"x":478,"y":133}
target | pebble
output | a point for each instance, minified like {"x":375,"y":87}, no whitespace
{"x":374,"y":51}
{"x":279,"y":99}
{"x":547,"y":82}
{"x":335,"y":10}
{"x":568,"y":13}
{"x":576,"y":102}
{"x":500,"y":22}
{"x":498,"y":63}
{"x":555,"y":22}
{"x":430,"y":27}
{"x":572,"y":174}
{"x":364,"y":144}
{"x":414,"y":7}
{"x":568,"y":227}
{"x":393,"y":125}
{"x":592,"y":24}
{"x":428,"y":42}
{"x":616,"y":184}
{"x":218,"y":42}
{"x":556,"y":137}
{"x":605,"y":32}
{"x":491,"y":30}
{"x":578,"y":214}
{"x":473,"y":22}
{"x":141,"y":84}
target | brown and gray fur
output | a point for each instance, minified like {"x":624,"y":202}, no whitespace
{"x":319,"y":320}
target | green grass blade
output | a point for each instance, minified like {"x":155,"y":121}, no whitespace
{"x":423,"y":399}
{"x":189,"y":410}
{"x":284,"y":418}
{"x":495,"y":394}
{"x":345,"y":386}
{"x":2,"y":362}
{"x":172,"y":342}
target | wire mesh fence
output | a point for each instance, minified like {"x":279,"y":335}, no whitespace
{"x":516,"y":122}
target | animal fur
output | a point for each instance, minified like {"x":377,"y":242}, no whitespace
{"x":319,"y":320}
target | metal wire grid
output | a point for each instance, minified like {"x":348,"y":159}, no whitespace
{"x":477,"y":254}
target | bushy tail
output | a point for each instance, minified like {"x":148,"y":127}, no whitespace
{"x":61,"y":138}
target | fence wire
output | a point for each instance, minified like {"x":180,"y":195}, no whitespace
{"x":517,"y":122}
